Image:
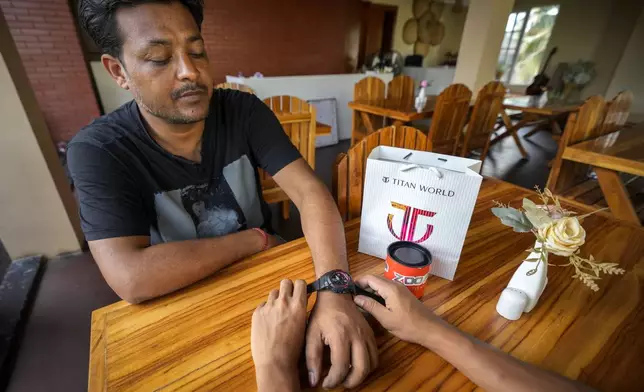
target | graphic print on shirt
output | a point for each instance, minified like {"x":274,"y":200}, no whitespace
{"x":225,"y":205}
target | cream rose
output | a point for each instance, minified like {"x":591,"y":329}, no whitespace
{"x":564,"y":236}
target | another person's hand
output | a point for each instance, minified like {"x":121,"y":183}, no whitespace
{"x":277,"y":332}
{"x":404,"y":316}
{"x":337,"y":323}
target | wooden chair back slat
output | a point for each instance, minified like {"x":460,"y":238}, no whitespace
{"x":368,"y":90}
{"x":350,"y":168}
{"x":489,"y":103}
{"x":401,"y":89}
{"x":301,"y":131}
{"x":236,"y":86}
{"x":582,"y":125}
{"x":617,"y":111}
{"x":299,"y":124}
{"x":450,"y":114}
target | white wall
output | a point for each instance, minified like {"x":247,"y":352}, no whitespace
{"x":37,"y":211}
{"x":111,"y":95}
{"x":628,"y":75}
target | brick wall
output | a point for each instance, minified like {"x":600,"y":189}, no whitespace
{"x":275,"y":37}
{"x":45,"y":33}
{"x":280,"y":37}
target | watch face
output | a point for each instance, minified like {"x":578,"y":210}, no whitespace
{"x":340,"y":279}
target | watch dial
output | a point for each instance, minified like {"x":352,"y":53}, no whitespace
{"x":340,"y":279}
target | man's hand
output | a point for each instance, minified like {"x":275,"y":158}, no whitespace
{"x":277,"y":331}
{"x":337,"y":323}
{"x":404,"y":316}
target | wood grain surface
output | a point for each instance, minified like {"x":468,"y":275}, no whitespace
{"x":448,"y":120}
{"x":199,"y":338}
{"x":622,"y":151}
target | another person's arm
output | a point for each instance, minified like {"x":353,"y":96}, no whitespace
{"x":335,"y":320}
{"x":488,"y":367}
{"x":277,"y":336}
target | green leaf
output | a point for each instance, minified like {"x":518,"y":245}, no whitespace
{"x":513,"y":218}
{"x":537,"y":216}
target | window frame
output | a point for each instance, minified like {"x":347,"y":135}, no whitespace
{"x":512,"y":65}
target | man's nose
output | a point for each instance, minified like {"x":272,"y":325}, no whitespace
{"x":187,"y":69}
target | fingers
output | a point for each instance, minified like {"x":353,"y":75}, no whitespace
{"x":273,"y":295}
{"x":372,"y":306}
{"x":360,"y":365}
{"x":286,"y":289}
{"x":373,"y":353}
{"x":340,"y":362}
{"x":314,"y":352}
{"x":380,"y":285}
{"x":299,"y":292}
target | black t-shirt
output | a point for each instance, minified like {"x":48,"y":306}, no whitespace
{"x":128,"y":185}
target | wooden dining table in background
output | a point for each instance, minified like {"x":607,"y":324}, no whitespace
{"x":199,"y":338}
{"x":618,"y":152}
{"x":533,"y":111}
{"x":401,"y":112}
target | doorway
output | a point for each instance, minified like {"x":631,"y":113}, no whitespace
{"x":378,"y":22}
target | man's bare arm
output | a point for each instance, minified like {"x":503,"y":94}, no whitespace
{"x":137,"y":271}
{"x":321,"y":221}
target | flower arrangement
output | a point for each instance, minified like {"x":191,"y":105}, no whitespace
{"x":580,"y":73}
{"x":558,"y":231}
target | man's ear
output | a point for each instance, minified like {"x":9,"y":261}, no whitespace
{"x":116,"y":70}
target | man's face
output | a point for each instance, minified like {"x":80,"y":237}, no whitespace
{"x":165,"y":62}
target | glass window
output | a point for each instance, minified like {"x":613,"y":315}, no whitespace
{"x":529,"y":32}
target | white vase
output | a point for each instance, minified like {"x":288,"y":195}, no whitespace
{"x":525,"y":287}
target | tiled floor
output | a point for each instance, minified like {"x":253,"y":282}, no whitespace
{"x":55,"y":349}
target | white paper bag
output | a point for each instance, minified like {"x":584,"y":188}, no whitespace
{"x":421,"y":197}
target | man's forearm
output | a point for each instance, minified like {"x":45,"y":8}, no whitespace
{"x":156,"y":270}
{"x":490,"y":368}
{"x":324,"y":231}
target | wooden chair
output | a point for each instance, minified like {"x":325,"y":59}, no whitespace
{"x":372,"y":90}
{"x":401,"y":89}
{"x":567,"y":178}
{"x":452,"y":107}
{"x":617,"y":112}
{"x":489,"y":104}
{"x":236,"y":86}
{"x":349,"y":169}
{"x":298,"y":119}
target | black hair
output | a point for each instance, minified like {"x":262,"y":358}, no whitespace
{"x":98,"y":19}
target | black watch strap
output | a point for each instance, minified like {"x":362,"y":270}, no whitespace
{"x":312,"y":287}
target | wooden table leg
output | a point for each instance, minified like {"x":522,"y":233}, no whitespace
{"x":556,"y":129}
{"x":511,"y":130}
{"x":616,"y":195}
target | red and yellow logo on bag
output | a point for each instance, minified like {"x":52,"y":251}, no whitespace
{"x":409,"y":223}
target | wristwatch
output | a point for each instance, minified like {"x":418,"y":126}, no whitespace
{"x":340,"y":282}
{"x":337,"y":281}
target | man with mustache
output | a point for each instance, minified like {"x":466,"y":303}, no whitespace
{"x":168,"y":185}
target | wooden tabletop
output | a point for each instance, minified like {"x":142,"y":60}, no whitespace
{"x":535,"y":105}
{"x":622,"y":151}
{"x":395,"y":109}
{"x":199,"y":338}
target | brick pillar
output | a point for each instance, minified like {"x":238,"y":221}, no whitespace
{"x":45,"y":33}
